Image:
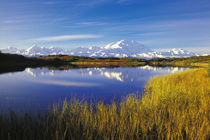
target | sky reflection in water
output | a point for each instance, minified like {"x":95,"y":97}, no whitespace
{"x":40,"y":88}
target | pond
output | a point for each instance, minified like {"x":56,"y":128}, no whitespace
{"x":40,"y":88}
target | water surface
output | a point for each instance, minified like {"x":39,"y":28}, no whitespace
{"x":42,"y":87}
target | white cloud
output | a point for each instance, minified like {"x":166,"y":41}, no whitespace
{"x":86,"y":24}
{"x":91,"y":23}
{"x":67,"y":37}
{"x":151,"y":33}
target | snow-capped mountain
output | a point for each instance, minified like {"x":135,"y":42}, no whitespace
{"x":43,"y":51}
{"x":35,"y":50}
{"x":176,"y":53}
{"x":12,"y":50}
{"x":123,"y":48}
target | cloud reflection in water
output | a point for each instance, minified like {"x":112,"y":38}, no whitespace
{"x":66,"y":83}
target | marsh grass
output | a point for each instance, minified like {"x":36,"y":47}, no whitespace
{"x":174,"y":106}
{"x":180,"y":104}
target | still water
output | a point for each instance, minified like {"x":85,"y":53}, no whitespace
{"x":39,"y":88}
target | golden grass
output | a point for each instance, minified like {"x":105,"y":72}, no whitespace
{"x":179,"y":104}
{"x":174,"y":106}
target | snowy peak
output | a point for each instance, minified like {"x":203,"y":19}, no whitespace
{"x":123,"y":48}
{"x":34,"y":48}
{"x":124,"y":44}
{"x":117,"y":45}
{"x":177,"y":53}
{"x":13,"y":50}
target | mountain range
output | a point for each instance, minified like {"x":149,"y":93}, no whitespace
{"x":123,"y":48}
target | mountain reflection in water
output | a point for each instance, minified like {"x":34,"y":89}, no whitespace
{"x":42,"y":87}
{"x":120,"y":74}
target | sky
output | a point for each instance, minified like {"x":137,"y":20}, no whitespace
{"x":158,"y":24}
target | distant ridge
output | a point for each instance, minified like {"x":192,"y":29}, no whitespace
{"x":123,"y":48}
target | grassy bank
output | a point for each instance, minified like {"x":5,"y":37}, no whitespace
{"x":174,"y":106}
{"x":180,"y":104}
{"x":195,"y":61}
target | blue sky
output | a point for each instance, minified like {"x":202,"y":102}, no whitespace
{"x":75,"y":23}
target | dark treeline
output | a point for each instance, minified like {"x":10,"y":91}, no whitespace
{"x":15,"y":62}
